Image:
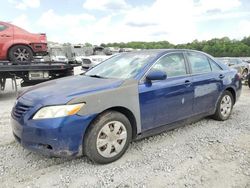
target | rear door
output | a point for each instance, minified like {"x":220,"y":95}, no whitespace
{"x":166,"y":101}
{"x":207,"y":78}
{"x":6,"y":38}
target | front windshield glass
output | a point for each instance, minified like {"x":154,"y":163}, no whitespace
{"x":79,"y":51}
{"x":122,"y":66}
{"x":57,"y":52}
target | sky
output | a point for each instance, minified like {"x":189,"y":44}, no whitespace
{"x":103,"y":21}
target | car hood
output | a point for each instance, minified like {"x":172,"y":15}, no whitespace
{"x":62,"y":90}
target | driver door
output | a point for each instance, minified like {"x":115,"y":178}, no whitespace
{"x":167,"y":101}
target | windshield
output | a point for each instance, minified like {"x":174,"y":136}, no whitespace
{"x":122,"y":66}
{"x":57,"y":52}
{"x":79,"y":51}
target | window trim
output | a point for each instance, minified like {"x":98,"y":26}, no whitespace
{"x":143,"y":78}
{"x":216,"y":64}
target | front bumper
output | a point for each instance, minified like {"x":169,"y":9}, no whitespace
{"x":52,"y":137}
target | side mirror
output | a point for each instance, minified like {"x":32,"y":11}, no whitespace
{"x":156,"y":75}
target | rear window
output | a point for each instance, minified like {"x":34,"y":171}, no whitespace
{"x":2,"y":27}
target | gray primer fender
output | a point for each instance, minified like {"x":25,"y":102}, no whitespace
{"x":126,"y":96}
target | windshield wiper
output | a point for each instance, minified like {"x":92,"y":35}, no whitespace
{"x":95,"y":76}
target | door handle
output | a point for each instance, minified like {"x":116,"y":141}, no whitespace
{"x":221,"y":76}
{"x":188,"y":83}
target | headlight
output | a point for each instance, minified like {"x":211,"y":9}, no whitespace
{"x":58,"y":111}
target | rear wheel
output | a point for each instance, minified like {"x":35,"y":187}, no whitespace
{"x":248,"y":81}
{"x":244,"y":74}
{"x":224,"y":106}
{"x":20,"y":53}
{"x":108,"y":137}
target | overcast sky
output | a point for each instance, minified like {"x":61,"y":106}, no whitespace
{"x":98,"y":21}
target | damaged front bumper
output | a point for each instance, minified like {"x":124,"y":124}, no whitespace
{"x":61,"y":137}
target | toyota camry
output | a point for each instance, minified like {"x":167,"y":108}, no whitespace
{"x":127,"y":97}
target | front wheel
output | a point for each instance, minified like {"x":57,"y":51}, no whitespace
{"x":224,"y":106}
{"x":108,"y":137}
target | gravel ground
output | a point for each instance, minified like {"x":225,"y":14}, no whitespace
{"x":204,"y":154}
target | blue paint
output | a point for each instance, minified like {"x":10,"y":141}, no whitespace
{"x":64,"y":135}
{"x":161,"y":101}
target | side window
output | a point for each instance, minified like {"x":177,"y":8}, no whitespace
{"x":214,"y":66}
{"x":199,"y":63}
{"x":172,"y":64}
{"x":2,"y":27}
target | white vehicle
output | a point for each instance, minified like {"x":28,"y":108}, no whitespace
{"x":91,"y":61}
{"x":57,"y":55}
{"x":59,"y":58}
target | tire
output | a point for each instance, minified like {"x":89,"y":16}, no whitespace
{"x":101,"y":144}
{"x":244,"y":74}
{"x":20,"y":53}
{"x":224,"y":107}
{"x":248,"y":82}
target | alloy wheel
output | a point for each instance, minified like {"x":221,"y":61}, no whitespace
{"x":21,"y":54}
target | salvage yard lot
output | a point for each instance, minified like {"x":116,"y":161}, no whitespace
{"x":204,"y":154}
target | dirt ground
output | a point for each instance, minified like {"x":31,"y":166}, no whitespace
{"x":204,"y":154}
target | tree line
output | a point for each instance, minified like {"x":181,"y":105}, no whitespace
{"x":218,"y":47}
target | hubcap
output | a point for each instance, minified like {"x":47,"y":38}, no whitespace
{"x":111,"y":139}
{"x":21,"y":54}
{"x":226,"y":106}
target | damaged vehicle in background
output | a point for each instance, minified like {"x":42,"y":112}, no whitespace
{"x":100,"y":54}
{"x":241,"y":66}
{"x":127,"y":97}
{"x":18,"y":45}
{"x":93,"y":60}
{"x":57,"y":54}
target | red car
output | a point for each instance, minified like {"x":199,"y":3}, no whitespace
{"x":19,"y":45}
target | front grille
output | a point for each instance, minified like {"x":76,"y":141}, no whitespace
{"x":86,"y":61}
{"x":19,"y":110}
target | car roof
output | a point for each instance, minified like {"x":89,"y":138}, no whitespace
{"x":6,"y":23}
{"x":159,"y":52}
{"x":164,"y":50}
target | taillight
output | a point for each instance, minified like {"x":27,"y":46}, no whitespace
{"x":43,"y":38}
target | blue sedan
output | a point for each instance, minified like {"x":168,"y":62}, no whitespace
{"x":127,"y":97}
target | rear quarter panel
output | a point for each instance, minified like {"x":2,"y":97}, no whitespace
{"x":232,"y":80}
{"x":24,"y":37}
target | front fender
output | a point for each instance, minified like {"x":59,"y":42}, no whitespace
{"x":126,"y":96}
